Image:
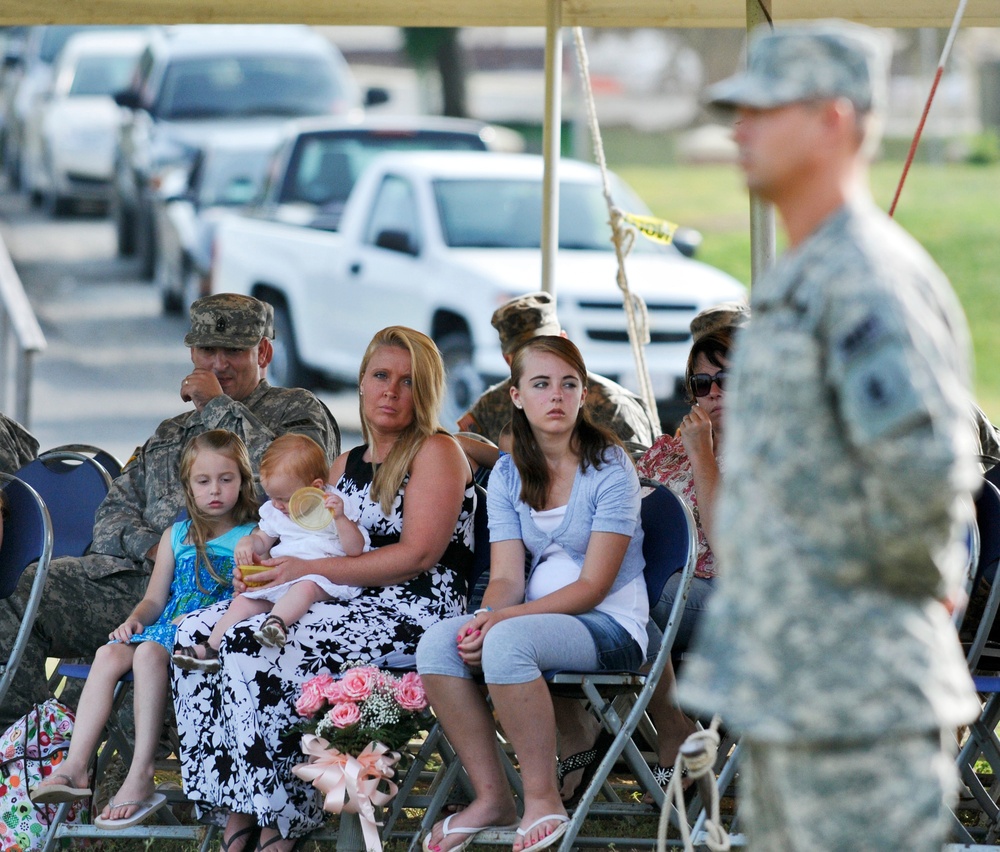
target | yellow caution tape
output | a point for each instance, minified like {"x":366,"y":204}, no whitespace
{"x":658,"y":230}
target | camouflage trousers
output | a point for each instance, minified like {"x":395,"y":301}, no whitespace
{"x":82,"y":603}
{"x":883,"y":795}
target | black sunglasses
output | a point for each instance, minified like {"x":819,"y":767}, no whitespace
{"x":701,"y":383}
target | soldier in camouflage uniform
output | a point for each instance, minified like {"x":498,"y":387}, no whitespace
{"x":17,"y":445}
{"x":609,"y":404}
{"x":230,"y":341}
{"x":849,"y":471}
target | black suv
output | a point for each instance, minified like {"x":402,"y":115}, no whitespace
{"x":194,"y":80}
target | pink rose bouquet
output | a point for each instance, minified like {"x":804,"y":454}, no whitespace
{"x":354,"y":728}
{"x":365,"y":704}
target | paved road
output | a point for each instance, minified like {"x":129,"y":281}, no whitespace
{"x":114,"y":361}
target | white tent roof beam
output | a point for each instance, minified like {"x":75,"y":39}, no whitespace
{"x":489,"y":13}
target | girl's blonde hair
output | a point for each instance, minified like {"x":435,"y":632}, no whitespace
{"x":232,"y":447}
{"x":589,"y":440}
{"x":427,"y":377}
{"x":298,"y":456}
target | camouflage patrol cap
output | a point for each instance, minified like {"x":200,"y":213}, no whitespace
{"x":520,"y":319}
{"x":724,"y":315}
{"x":230,"y":320}
{"x":825,"y":59}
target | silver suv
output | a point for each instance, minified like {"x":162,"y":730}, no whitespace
{"x":194,"y":80}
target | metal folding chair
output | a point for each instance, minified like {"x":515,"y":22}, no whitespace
{"x":669,"y":545}
{"x":983,"y":656}
{"x":27,"y":539}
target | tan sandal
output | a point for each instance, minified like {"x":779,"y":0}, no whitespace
{"x":273,"y":632}
{"x":188,"y":658}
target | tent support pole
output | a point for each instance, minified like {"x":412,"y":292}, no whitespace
{"x":551,"y":143}
{"x":763,"y":247}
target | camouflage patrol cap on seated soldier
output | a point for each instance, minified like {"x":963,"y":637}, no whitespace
{"x":824,"y":59}
{"x":524,"y":317}
{"x":724,"y":315}
{"x":229,"y":321}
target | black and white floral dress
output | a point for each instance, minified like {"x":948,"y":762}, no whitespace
{"x":235,"y":748}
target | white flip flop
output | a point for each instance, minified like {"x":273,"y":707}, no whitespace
{"x":146,"y":808}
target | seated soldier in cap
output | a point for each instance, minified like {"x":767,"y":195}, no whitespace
{"x":230,"y":342}
{"x":609,"y":403}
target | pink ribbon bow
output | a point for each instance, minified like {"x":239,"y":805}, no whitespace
{"x":350,"y":783}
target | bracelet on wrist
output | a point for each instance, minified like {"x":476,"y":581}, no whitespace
{"x":483,"y":609}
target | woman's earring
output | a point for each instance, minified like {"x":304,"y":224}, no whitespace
{"x":517,"y":405}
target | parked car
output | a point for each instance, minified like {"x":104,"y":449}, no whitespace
{"x":12,"y":40}
{"x":70,"y":138}
{"x":227,"y":173}
{"x":41,"y":48}
{"x":194,"y":80}
{"x":436,"y":241}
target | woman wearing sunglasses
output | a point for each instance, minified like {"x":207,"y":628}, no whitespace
{"x":688,"y":463}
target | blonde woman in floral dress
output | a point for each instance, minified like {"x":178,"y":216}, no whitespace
{"x":417,"y":500}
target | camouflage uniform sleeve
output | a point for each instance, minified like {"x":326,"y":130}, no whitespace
{"x":17,"y":445}
{"x":491,"y":412}
{"x":988,"y":438}
{"x":897,"y":362}
{"x":615,"y":407}
{"x":120,"y":528}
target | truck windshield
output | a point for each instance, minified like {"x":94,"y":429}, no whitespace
{"x":490,"y":213}
{"x":225,"y":87}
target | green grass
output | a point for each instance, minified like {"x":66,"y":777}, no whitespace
{"x":953,"y":210}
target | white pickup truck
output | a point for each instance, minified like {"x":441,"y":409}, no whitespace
{"x":436,"y":241}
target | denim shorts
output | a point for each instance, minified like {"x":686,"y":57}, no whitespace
{"x":616,"y":649}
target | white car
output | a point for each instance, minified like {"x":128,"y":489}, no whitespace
{"x":70,"y":141}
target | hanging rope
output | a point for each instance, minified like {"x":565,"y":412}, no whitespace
{"x":623,"y":238}
{"x":945,"y":53}
{"x":695,"y":759}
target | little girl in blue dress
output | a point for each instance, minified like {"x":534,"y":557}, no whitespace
{"x":193,"y":568}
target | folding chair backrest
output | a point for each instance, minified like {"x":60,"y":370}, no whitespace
{"x":988,"y":522}
{"x":981,"y":629}
{"x":27,"y":538}
{"x":72,"y":485}
{"x":105,"y":459}
{"x":666,"y":543}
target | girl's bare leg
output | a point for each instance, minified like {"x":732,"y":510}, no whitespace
{"x":110,"y":663}
{"x":150,"y":691}
{"x":461,"y":707}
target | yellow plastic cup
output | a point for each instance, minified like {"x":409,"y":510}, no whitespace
{"x":250,"y":570}
{"x":307,"y":509}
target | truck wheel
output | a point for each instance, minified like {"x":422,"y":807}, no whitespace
{"x":285,"y":370}
{"x":463,"y":384}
